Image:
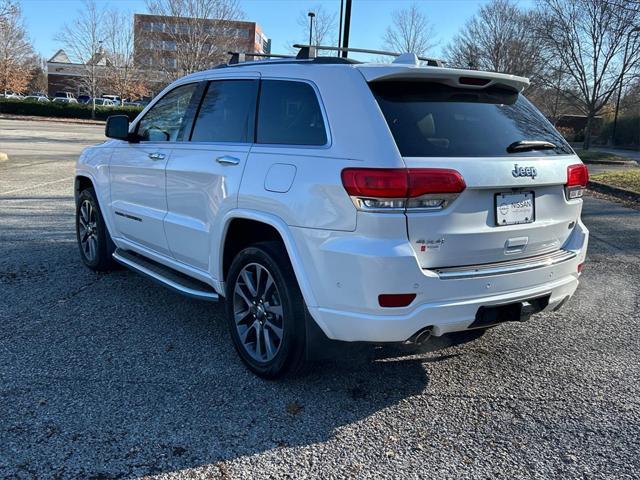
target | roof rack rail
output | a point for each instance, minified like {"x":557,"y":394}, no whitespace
{"x":308,"y":51}
{"x":239,"y":57}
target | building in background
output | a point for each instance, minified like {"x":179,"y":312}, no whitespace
{"x":63,"y":75}
{"x":159,"y":41}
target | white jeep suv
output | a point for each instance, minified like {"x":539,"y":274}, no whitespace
{"x":371,"y":202}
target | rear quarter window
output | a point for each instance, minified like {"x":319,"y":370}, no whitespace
{"x":289,"y":114}
{"x":435,"y":120}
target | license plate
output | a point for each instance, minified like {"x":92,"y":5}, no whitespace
{"x":514,"y":208}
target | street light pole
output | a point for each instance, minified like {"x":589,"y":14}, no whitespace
{"x":311,"y":15}
{"x":347,"y":27}
{"x":624,"y":63}
{"x":94,"y":55}
{"x":340,"y":28}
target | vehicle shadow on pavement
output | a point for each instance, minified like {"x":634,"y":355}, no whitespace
{"x":110,"y":375}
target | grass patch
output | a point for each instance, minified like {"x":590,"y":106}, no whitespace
{"x":593,"y":156}
{"x":628,"y":179}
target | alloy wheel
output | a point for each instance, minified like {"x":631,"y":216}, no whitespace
{"x":88,"y":230}
{"x":258,"y":312}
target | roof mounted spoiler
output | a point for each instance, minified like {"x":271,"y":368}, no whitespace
{"x":309,"y":52}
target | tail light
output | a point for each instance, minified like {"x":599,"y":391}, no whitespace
{"x":394,"y":189}
{"x":577,"y":179}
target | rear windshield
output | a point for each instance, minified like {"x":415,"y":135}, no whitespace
{"x":435,"y":120}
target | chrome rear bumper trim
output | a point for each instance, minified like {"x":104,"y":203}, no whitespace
{"x":510,"y":266}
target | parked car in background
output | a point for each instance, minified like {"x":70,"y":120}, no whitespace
{"x":101,"y":102}
{"x":64,"y":100}
{"x":114,"y":98}
{"x":65,"y":95}
{"x":84,"y":99}
{"x":324,"y":197}
{"x":37,"y":98}
{"x":13,"y":96}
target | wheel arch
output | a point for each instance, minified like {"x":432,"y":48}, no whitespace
{"x":82,"y":182}
{"x":269,"y":226}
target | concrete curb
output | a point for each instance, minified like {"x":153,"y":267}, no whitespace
{"x":609,"y":162}
{"x":3,"y":157}
{"x":621,"y":193}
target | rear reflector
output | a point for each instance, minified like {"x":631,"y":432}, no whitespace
{"x":401,"y":182}
{"x":580,"y":267}
{"x":395,"y":299}
{"x":577,"y":180}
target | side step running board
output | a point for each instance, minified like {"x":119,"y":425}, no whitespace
{"x":165,"y":276}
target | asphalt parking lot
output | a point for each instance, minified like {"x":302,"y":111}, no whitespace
{"x":110,"y":376}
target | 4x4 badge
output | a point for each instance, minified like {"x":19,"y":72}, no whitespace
{"x":524,"y":171}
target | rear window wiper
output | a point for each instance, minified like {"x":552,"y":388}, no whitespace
{"x":528,"y":145}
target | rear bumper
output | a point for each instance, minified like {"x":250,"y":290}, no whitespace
{"x":351,"y":283}
{"x":442,"y":317}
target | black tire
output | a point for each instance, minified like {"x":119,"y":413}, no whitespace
{"x":290,"y":349}
{"x":98,"y":257}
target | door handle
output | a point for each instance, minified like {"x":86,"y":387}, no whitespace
{"x":157,"y":156}
{"x":228,"y":160}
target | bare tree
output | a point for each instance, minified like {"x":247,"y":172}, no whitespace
{"x":198,"y":45}
{"x":553,"y":94}
{"x":410,"y":31}
{"x":594,"y":43}
{"x":38,"y":81}
{"x":122,"y":76}
{"x":7,"y":8}
{"x":83,"y":40}
{"x":500,"y":38}
{"x":16,"y":53}
{"x":324,"y":26}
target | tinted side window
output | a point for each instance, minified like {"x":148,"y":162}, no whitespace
{"x":227,"y":113}
{"x":165,"y":120}
{"x":289,"y":114}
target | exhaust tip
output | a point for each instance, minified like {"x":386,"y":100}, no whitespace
{"x":422,"y":336}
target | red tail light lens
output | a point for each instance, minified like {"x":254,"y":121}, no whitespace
{"x":423,"y":181}
{"x":375,"y":182}
{"x":391,"y":188}
{"x":577,"y":175}
{"x":577,"y":180}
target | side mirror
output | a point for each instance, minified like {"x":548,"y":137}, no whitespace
{"x":117,"y":127}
